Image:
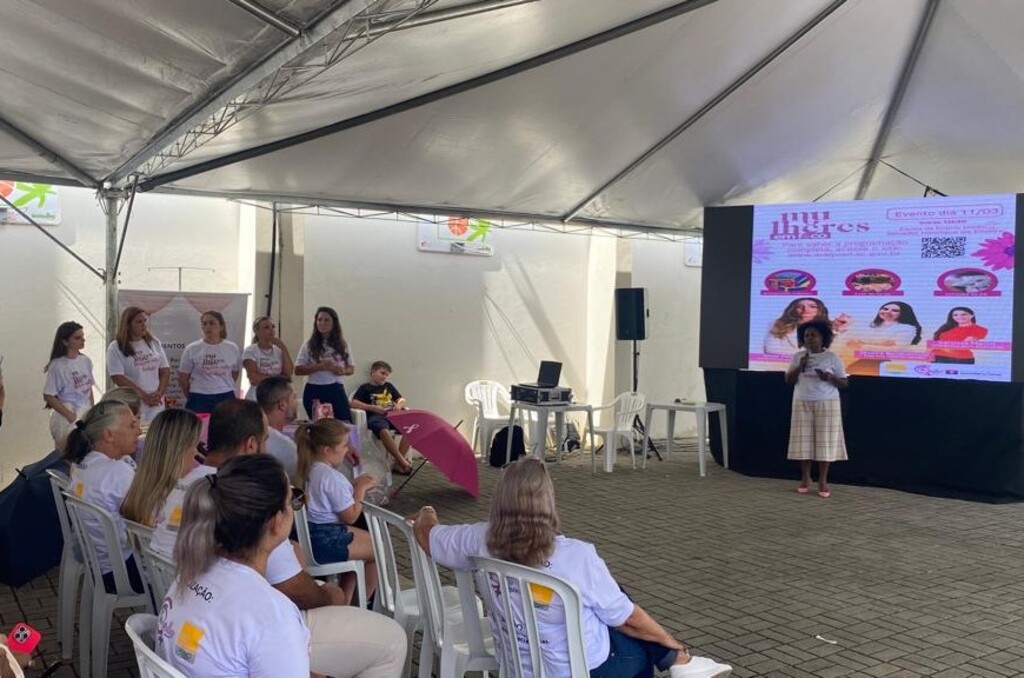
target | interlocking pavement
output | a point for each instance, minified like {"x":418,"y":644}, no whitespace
{"x":871,"y":582}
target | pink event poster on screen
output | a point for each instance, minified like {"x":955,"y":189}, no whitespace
{"x":918,"y":288}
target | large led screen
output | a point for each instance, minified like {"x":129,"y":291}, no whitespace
{"x":918,"y":288}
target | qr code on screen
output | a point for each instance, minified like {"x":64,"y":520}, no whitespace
{"x":943,"y":248}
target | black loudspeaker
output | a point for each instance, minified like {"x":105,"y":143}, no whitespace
{"x":630,"y":313}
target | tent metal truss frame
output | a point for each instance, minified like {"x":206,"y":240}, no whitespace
{"x":345,"y":29}
{"x":896,"y":99}
{"x":705,"y":109}
{"x":307,"y":55}
{"x":522,"y":221}
{"x":665,"y":14}
{"x":631,"y":233}
{"x":337,"y":32}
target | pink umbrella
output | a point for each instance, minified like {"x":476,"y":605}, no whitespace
{"x":438,"y":441}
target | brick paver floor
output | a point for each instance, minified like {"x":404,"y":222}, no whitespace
{"x":871,"y":582}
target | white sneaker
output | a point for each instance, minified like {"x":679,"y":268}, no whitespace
{"x":700,"y":667}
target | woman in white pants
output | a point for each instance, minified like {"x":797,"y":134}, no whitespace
{"x":69,"y":381}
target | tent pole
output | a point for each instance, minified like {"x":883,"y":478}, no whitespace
{"x":111,"y":203}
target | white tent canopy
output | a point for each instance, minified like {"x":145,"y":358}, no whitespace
{"x":601,"y":112}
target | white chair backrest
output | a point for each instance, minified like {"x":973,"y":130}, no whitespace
{"x":162,"y":572}
{"x":389,"y":586}
{"x":463,"y":621}
{"x":77,"y":511}
{"x":60,"y":482}
{"x":627,"y":406}
{"x":487,"y":395}
{"x":141,"y":628}
{"x":139,"y":536}
{"x":302,"y":530}
{"x":501,"y":584}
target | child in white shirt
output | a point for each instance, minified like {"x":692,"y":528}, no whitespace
{"x":333,"y":504}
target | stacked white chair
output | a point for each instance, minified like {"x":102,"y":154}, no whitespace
{"x":489,"y":398}
{"x":162,"y":572}
{"x":71,"y":567}
{"x":510,"y":580}
{"x":139,"y":536}
{"x":98,"y":606}
{"x":457,"y":636}
{"x":316,"y":569}
{"x":141,"y":629}
{"x":402,"y":605}
{"x":624,"y":409}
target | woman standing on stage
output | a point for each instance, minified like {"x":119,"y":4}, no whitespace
{"x":209,"y":369}
{"x":136,"y":361}
{"x":816,"y":426}
{"x":69,"y":381}
{"x":266,"y":356}
{"x":325,"y":359}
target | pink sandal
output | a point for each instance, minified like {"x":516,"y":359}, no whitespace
{"x":803,"y":489}
{"x":824,"y":494}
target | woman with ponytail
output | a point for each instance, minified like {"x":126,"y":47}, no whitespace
{"x":221,"y":616}
{"x":100,"y":448}
{"x":266,"y":356}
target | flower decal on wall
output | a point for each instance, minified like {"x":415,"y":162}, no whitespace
{"x":997,"y":253}
{"x":761,"y":251}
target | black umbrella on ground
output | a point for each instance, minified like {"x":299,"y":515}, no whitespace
{"x":30,"y":537}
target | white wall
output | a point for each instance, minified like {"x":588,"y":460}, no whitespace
{"x":443,"y":320}
{"x":42,"y":286}
{"x":668,"y":358}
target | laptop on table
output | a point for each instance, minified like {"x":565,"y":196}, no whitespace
{"x":548,"y":376}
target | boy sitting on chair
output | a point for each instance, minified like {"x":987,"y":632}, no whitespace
{"x":378,"y":397}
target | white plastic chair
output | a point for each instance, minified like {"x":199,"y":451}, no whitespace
{"x":316,"y":569}
{"x":402,"y":605}
{"x":376,"y":461}
{"x":98,"y":606}
{"x":625,"y":408}
{"x":162,"y":572}
{"x":509,"y":615}
{"x":457,"y":635}
{"x":71,"y":567}
{"x":141,"y":628}
{"x":489,"y":398}
{"x":138,"y":539}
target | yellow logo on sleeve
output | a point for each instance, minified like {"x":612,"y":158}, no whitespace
{"x":79,"y":489}
{"x":187,"y":644}
{"x":175,"y":520}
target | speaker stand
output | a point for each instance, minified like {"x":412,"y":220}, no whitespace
{"x":638,"y":424}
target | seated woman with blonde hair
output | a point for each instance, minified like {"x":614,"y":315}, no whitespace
{"x":619,"y":637}
{"x":169,"y":453}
